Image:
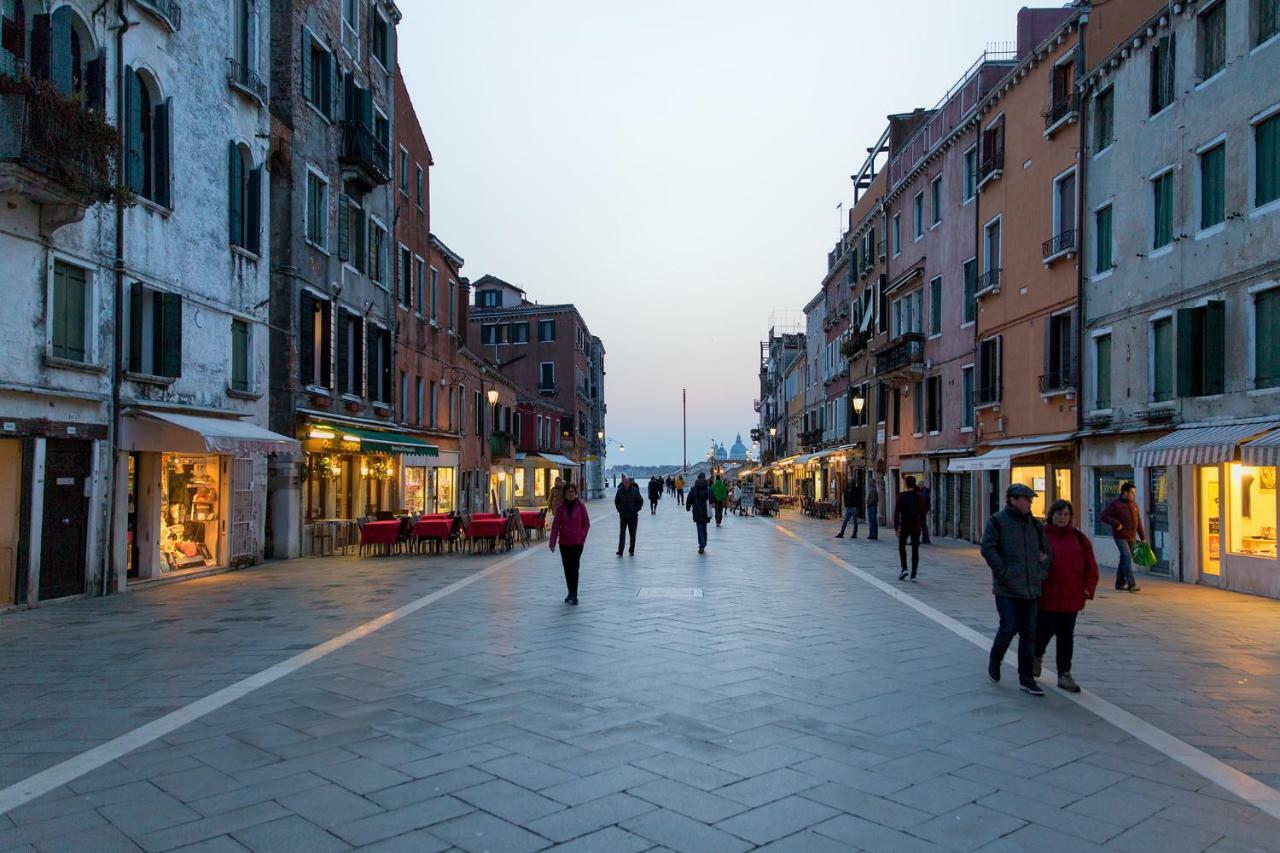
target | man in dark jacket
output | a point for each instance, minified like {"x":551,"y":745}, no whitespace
{"x":696,"y":502}
{"x":850,"y":499}
{"x":1017,"y":550}
{"x":655,"y":494}
{"x":1125,"y":520}
{"x":628,"y":502}
{"x":908,"y":520}
{"x":873,"y":507}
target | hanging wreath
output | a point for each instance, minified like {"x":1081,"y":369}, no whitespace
{"x":320,"y":467}
{"x":380,"y":469}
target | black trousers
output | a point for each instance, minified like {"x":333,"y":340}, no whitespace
{"x":627,"y":524}
{"x":1055,"y":624}
{"x":570,"y":557}
{"x":1017,"y":619}
{"x":680,"y":497}
{"x":719,"y":513}
{"x":914,"y":537}
{"x":653,"y":506}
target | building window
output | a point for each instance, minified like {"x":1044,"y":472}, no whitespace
{"x":1213,"y":185}
{"x":351,"y":23}
{"x":317,"y":209}
{"x":379,"y":380}
{"x":1104,"y":119}
{"x":489,"y":334}
{"x":895,"y":231}
{"x":1162,"y":66}
{"x":380,"y":44}
{"x":897,"y":413}
{"x":547,"y":376}
{"x":417,"y":400}
{"x":1266,"y":342}
{"x":1162,"y":360}
{"x":314,"y":337}
{"x":935,"y":199}
{"x":989,"y":371}
{"x":240,"y":379}
{"x":350,"y":353}
{"x":155,"y":332}
{"x":935,"y":306}
{"x":70,"y":312}
{"x":1064,"y":213}
{"x":319,"y":76}
{"x":478,"y":411}
{"x":419,"y":284}
{"x":520,"y":332}
{"x":917,"y":215}
{"x":1213,"y":40}
{"x":970,"y":173}
{"x":402,"y":399}
{"x":1102,"y":242}
{"x":991,"y":252}
{"x":453,"y":305}
{"x":404,"y":171}
{"x":908,"y":314}
{"x":1266,"y":20}
{"x":1253,"y":510}
{"x":966,"y":389}
{"x":419,"y":187}
{"x":147,"y":139}
{"x":933,"y":404}
{"x":992,"y":159}
{"x":377,"y":253}
{"x":1201,"y":349}
{"x":970,"y":309}
{"x":404,"y":276}
{"x":244,"y":193}
{"x":1266,"y":137}
{"x":489,"y":299}
{"x":882,"y":401}
{"x":1102,"y":372}
{"x":435,"y":294}
{"x":1162,"y":210}
{"x":546,"y":331}
{"x":353,"y":233}
{"x":1059,"y":352}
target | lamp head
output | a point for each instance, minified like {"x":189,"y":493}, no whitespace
{"x":858,"y":402}
{"x":493,"y":396}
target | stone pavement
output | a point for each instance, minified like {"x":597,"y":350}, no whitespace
{"x":791,"y":707}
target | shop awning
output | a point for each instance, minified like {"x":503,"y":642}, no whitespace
{"x":1000,"y":459}
{"x":557,"y":459}
{"x":1262,"y":452}
{"x":1198,"y":445}
{"x":379,"y":441}
{"x":801,"y":459}
{"x":171,"y":432}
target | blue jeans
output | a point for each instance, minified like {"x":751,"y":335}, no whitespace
{"x":850,"y":513}
{"x":1017,"y":617}
{"x":1124,"y":571}
{"x":874,"y":532}
{"x":702,"y":533}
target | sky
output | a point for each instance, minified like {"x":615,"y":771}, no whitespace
{"x":672,"y":167}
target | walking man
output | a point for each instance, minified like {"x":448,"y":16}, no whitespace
{"x":555,"y":497}
{"x":699,"y":496}
{"x":850,"y":499}
{"x":925,"y":496}
{"x":1017,"y":551}
{"x":908,"y":519}
{"x":720,"y":495}
{"x":1126,"y":528}
{"x":628,"y":502}
{"x":873,"y":506}
{"x":680,"y":489}
{"x":655,"y":494}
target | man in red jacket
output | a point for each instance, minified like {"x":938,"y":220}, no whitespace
{"x":1125,"y":520}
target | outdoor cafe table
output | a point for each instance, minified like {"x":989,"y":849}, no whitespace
{"x":433,"y":528}
{"x":380,"y":533}
{"x":486,"y":528}
{"x":530,"y":519}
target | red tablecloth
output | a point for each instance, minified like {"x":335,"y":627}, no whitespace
{"x":484,"y":528}
{"x":484,"y":515}
{"x":433,"y":528}
{"x":434,"y":516}
{"x":379,"y":533}
{"x":531,"y":519}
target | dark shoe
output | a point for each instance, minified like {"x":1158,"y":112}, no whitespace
{"x":566,"y":598}
{"x":1120,"y":588}
{"x":1134,"y":589}
{"x":913,"y":579}
{"x":993,"y":671}
{"x":574,"y":602}
{"x":701,"y":550}
{"x":903,"y":575}
{"x":619,"y":553}
{"x":632,"y":553}
{"x":1029,"y":686}
{"x":1036,"y":670}
{"x":1067,"y":683}
{"x":839,"y":535}
{"x":854,"y":536}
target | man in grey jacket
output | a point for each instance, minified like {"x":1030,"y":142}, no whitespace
{"x":1017,"y":550}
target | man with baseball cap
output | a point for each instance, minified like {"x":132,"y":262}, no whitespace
{"x":1017,"y":550}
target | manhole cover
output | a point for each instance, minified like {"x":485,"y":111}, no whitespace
{"x":669,"y":592}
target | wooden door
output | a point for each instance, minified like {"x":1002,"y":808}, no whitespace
{"x":65,"y":529}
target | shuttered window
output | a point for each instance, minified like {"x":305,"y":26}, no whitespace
{"x":1266,"y":308}
{"x":70,"y":310}
{"x":147,"y":141}
{"x":317,"y":210}
{"x":970,"y":290}
{"x":240,"y":355}
{"x":1162,"y":67}
{"x":314,"y":341}
{"x":1162,"y":210}
{"x":244,"y":200}
{"x":1102,"y":372}
{"x":319,"y":76}
{"x":1201,"y":354}
{"x":1267,"y":16}
{"x":989,"y":371}
{"x":935,"y":306}
{"x":1213,"y":186}
{"x":1102,"y":242}
{"x":1162,"y":360}
{"x":350,"y":359}
{"x":1267,"y":161}
{"x":966,"y":389}
{"x":1213,"y":40}
{"x":1104,"y":114}
{"x":155,"y":332}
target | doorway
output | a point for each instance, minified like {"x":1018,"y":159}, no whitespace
{"x":10,"y":524}
{"x":1209,"y":521}
{"x":1158,"y":517}
{"x":64,"y":533}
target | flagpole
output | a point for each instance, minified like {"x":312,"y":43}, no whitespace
{"x":684,"y":419}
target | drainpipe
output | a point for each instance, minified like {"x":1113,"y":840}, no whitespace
{"x":1082,"y":168}
{"x":108,"y":565}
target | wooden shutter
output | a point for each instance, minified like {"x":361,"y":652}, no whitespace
{"x":95,"y":83}
{"x":1266,"y":344}
{"x":326,"y":344}
{"x":253,"y":211}
{"x":162,"y":133}
{"x":306,"y":64}
{"x":344,"y":228}
{"x":359,"y":252}
{"x":1049,"y":366}
{"x":135,"y":327}
{"x":344,"y":351}
{"x":331,"y":108}
{"x":134,"y":162}
{"x":250,"y":35}
{"x":1073,"y":347}
{"x":306,"y":338}
{"x":388,"y":369}
{"x":41,"y":46}
{"x":374,"y":392}
{"x":350,"y":105}
{"x":1215,"y":322}
{"x":170,"y":334}
{"x":235,"y":195}
{"x":1185,"y":355}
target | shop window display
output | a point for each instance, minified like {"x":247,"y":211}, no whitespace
{"x":444,"y":489}
{"x":1210,"y":520}
{"x":189,"y":503}
{"x":1033,"y":477}
{"x":1253,"y":511}
{"x":415,"y":489}
{"x":518,"y":482}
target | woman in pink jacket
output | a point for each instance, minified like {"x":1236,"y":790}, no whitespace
{"x":570,"y":529}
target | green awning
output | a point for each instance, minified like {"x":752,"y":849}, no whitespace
{"x":378,"y":441}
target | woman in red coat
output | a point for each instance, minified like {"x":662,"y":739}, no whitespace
{"x":1073,"y":578}
{"x":570,"y":530}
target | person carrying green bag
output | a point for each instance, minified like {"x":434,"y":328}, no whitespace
{"x":1125,"y":519}
{"x":1144,"y":556}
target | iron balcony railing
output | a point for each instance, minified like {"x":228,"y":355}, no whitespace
{"x":56,"y":136}
{"x":499,"y":445}
{"x":1060,"y":108}
{"x":167,"y":9}
{"x":1056,"y":380}
{"x":985,"y":395}
{"x":362,"y":149}
{"x":243,"y":77}
{"x":1064,"y":242}
{"x":989,"y":280}
{"x":991,"y":165}
{"x":904,"y":353}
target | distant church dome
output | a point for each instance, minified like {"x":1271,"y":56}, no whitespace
{"x":739,"y":450}
{"x":721,"y":453}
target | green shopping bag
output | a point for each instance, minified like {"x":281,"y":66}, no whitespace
{"x":1143,"y":555}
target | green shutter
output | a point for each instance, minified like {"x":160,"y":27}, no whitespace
{"x":170,"y":333}
{"x":371,"y":387}
{"x":344,"y":352}
{"x":331,"y":83}
{"x":239,"y":355}
{"x":1103,"y":250}
{"x":135,"y":327}
{"x":1215,"y":327}
{"x":1212,"y":177}
{"x":253,"y":212}
{"x":1162,"y":199}
{"x":306,"y":64}
{"x":161,"y":133}
{"x":1188,"y":361}
{"x":1267,"y":143}
{"x":359,"y":252}
{"x":306,"y":338}
{"x":1102,"y":352}
{"x":344,"y":228}
{"x":60,"y":70}
{"x":1267,"y":339}
{"x":1162,"y":360}
{"x":134,"y":162}
{"x":235,"y":195}
{"x":68,"y":312}
{"x":41,"y":46}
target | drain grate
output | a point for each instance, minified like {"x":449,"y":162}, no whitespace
{"x":669,"y":592}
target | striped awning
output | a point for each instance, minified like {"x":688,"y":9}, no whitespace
{"x":1262,"y":452}
{"x":1198,"y":445}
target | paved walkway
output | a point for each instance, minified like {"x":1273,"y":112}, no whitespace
{"x":793,"y":706}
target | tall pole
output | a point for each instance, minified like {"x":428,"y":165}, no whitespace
{"x":684,"y":420}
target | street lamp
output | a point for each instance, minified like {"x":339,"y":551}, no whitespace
{"x":773,"y":431}
{"x":493,"y":396}
{"x":858,"y":402}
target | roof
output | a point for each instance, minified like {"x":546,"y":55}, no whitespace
{"x":450,"y":255}
{"x":493,"y":279}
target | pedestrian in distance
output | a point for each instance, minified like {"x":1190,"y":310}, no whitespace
{"x":925,"y":495}
{"x":555,"y":497}
{"x":628,"y":502}
{"x":719,"y":497}
{"x":1125,"y":519}
{"x":1017,"y":551}
{"x":873,"y":507}
{"x":655,"y":494}
{"x":699,"y":498}
{"x":569,"y":531}
{"x":1072,"y":579}
{"x":908,"y":519}
{"x":850,"y":500}
{"x":680,"y":489}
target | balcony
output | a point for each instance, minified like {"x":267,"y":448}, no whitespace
{"x":856,"y":344}
{"x":547,"y":389}
{"x":988,"y":283}
{"x":1064,"y":109}
{"x":167,"y":11}
{"x":366,"y":154}
{"x":992,"y":167}
{"x":54,"y":151}
{"x":903,"y":357}
{"x":244,"y":79}
{"x":500,"y":445}
{"x":1057,"y":382}
{"x":1057,"y":247}
{"x":986,"y":395}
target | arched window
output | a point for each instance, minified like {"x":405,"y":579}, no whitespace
{"x":148,"y":137}
{"x":62,"y":52}
{"x":244,"y":199}
{"x":13,"y":36}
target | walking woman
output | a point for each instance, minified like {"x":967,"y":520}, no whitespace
{"x":1073,"y":578}
{"x":570,"y":530}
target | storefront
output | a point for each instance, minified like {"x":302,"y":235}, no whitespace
{"x":529,"y":482}
{"x":429,"y":483}
{"x":1046,"y":468}
{"x":352,"y":472}
{"x":195,"y":491}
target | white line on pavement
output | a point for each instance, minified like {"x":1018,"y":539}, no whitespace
{"x":55,"y":777}
{"x":1242,"y":785}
